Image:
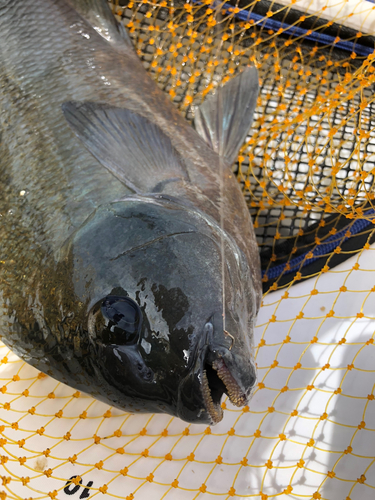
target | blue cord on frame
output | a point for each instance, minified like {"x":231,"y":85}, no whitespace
{"x":297,"y":31}
{"x":328,"y":246}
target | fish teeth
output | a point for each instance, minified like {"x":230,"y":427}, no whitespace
{"x":215,"y":411}
{"x":236,"y":396}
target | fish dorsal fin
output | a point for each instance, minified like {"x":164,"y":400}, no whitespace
{"x":99,"y":15}
{"x":132,"y":148}
{"x":224,"y":119}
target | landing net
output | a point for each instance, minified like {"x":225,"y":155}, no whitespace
{"x":307,"y":172}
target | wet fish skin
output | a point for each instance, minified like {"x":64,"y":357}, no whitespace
{"x":68,"y":244}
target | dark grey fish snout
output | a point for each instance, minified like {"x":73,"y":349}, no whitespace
{"x":221,"y":367}
{"x":226,"y":372}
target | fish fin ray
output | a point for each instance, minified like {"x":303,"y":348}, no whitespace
{"x":132,"y":148}
{"x":99,"y":15}
{"x":224,"y":119}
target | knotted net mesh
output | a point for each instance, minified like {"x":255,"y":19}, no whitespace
{"x":307,"y":172}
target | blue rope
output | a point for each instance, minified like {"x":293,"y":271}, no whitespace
{"x":328,"y":246}
{"x":296,"y":31}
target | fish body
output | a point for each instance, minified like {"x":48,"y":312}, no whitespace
{"x":129,"y":265}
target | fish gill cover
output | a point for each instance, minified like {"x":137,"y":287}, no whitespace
{"x":307,"y":171}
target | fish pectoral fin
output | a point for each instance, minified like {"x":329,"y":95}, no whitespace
{"x":132,"y":148}
{"x":99,"y":15}
{"x":224,"y":119}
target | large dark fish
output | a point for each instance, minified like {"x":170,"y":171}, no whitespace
{"x":129,"y":266}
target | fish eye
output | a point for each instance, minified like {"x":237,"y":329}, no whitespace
{"x":116,"y":320}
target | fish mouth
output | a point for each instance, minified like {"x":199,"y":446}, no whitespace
{"x":217,"y":380}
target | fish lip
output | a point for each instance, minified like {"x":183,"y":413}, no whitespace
{"x":215,"y":371}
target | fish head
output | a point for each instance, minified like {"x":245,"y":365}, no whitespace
{"x":151,"y":276}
